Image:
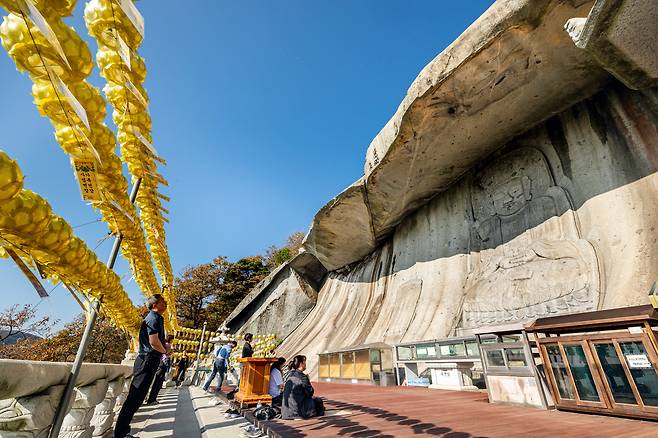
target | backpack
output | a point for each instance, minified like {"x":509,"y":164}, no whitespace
{"x":266,"y":412}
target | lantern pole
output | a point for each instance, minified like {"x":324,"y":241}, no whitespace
{"x":198,"y":353}
{"x":64,"y":403}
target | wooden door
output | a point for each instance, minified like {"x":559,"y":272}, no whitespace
{"x":573,"y":377}
{"x":629,"y":365}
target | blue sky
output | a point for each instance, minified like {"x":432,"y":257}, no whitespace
{"x":263,"y":110}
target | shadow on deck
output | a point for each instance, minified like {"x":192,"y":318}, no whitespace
{"x":367,"y":411}
{"x":375,"y":412}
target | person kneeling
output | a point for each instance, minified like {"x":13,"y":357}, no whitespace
{"x":276,"y":382}
{"x":298,"y":399}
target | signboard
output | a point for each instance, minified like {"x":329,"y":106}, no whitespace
{"x":85,"y":171}
{"x":638,"y":361}
{"x":28,"y":9}
{"x":418,"y":381}
{"x":29,"y":274}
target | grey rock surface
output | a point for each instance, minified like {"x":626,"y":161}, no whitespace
{"x":561,"y":219}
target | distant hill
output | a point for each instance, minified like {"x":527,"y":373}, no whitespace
{"x":15,"y":337}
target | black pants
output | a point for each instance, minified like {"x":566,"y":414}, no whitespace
{"x":160,"y":377}
{"x":181,"y":376}
{"x":144,"y":371}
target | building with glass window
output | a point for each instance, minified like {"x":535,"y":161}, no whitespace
{"x":370,"y":364}
{"x":512,"y":366}
{"x":452,"y":363}
{"x":602,"y":362}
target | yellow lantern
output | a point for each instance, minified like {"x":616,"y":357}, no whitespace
{"x":11,"y":178}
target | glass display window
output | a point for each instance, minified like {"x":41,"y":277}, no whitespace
{"x":405,"y":353}
{"x":426,"y":351}
{"x":495,"y":358}
{"x":452,"y":350}
{"x":515,"y":357}
{"x":472,"y":349}
{"x":347,"y":365}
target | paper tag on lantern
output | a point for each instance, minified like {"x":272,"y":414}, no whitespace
{"x":145,"y":142}
{"x":133,"y":15}
{"x":142,"y":100}
{"x":124,"y":51}
{"x":80,"y":134}
{"x":28,"y":9}
{"x":85,"y":171}
{"x":116,"y":205}
{"x":64,"y":91}
{"x":28,"y":273}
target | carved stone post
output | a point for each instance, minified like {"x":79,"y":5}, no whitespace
{"x":29,"y":416}
{"x":77,"y":423}
{"x":122,"y":394}
{"x":103,"y":418}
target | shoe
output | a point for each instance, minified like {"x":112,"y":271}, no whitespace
{"x":233,"y":416}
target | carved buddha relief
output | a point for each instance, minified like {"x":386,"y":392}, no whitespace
{"x":527,"y":258}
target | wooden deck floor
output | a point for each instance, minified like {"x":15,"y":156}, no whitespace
{"x":365,"y":411}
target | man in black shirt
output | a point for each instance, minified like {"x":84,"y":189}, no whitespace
{"x":247,"y":350}
{"x":151,"y":349}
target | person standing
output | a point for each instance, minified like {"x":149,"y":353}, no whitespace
{"x":161,"y":374}
{"x":247,"y":351}
{"x":151,"y":349}
{"x":220,"y":365}
{"x":183,"y":363}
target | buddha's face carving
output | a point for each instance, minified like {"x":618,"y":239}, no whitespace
{"x":511,"y":196}
{"x":529,"y":260}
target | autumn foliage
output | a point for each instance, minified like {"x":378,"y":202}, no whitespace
{"x":108,"y":344}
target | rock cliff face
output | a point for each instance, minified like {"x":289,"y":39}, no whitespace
{"x":561,"y":219}
{"x":517,"y":179}
{"x":281,"y":301}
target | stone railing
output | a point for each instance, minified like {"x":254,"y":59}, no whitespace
{"x":31,"y":391}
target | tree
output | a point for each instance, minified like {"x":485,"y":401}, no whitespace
{"x":210,"y":291}
{"x":108,"y":344}
{"x":276,"y":256}
{"x":195,"y":289}
{"x":240,"y":277}
{"x":21,"y":322}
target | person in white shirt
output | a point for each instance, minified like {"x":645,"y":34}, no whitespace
{"x":276,"y":382}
